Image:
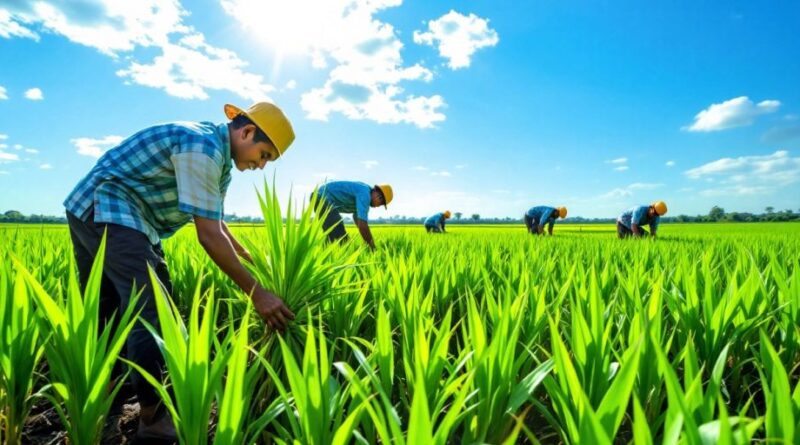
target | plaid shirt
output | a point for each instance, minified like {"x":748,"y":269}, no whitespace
{"x":155,"y":180}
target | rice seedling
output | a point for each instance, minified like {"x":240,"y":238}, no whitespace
{"x":480,"y":336}
{"x":194,"y":360}
{"x":80,"y":356}
{"x":20,"y":351}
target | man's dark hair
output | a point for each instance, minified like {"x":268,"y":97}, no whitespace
{"x":242,"y":120}
{"x":380,"y":193}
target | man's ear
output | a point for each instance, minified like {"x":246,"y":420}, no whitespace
{"x":248,"y":132}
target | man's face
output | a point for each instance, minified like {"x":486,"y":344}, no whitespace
{"x":376,"y":199}
{"x":249,"y":155}
{"x":651,"y":212}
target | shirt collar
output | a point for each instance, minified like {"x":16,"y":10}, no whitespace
{"x":224,"y":135}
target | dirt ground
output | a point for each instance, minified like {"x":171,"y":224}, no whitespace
{"x":44,"y":426}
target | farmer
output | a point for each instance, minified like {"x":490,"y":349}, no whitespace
{"x":435,"y":223}
{"x":631,"y":221}
{"x":338,"y":197}
{"x":144,"y":190}
{"x":537,"y":217}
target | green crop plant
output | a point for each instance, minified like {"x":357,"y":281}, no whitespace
{"x":80,"y":355}
{"x":483,"y":335}
{"x":194,"y":360}
{"x":20,"y":351}
{"x":293,"y":260}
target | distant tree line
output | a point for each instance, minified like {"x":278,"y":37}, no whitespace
{"x":716,"y":214}
{"x":13,"y":216}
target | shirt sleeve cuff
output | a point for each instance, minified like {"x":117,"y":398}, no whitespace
{"x":197,"y":211}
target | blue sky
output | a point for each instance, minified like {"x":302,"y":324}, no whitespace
{"x":474,"y":106}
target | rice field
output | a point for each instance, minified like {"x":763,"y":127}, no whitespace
{"x":483,"y":335}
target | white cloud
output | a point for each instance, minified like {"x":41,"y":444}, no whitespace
{"x":34,"y":94}
{"x":443,"y":173}
{"x":369,"y":164}
{"x":2,"y":146}
{"x":3,"y":94}
{"x":290,"y":85}
{"x":3,"y":137}
{"x":31,"y":150}
{"x":46,"y":167}
{"x":670,"y":163}
{"x":624,"y":192}
{"x":7,"y":157}
{"x":747,"y":175}
{"x":9,"y":27}
{"x":17,"y":146}
{"x":109,"y":26}
{"x":191,"y":67}
{"x":617,"y":161}
{"x":461,"y":166}
{"x":621,"y":168}
{"x":361,"y":52}
{"x":184,"y":65}
{"x":95,"y":147}
{"x":458,"y":37}
{"x":737,"y":112}
{"x":420,"y":168}
{"x":3,"y":172}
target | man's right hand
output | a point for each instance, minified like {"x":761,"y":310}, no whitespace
{"x":272,"y":309}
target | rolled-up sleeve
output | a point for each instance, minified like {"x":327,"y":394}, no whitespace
{"x":198,"y":176}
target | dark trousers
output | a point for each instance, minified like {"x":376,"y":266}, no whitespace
{"x":332,"y":221}
{"x":531,"y":224}
{"x":433,"y":229}
{"x":128,"y":253}
{"x":624,"y":232}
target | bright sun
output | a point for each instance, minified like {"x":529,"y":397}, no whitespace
{"x":293,"y":26}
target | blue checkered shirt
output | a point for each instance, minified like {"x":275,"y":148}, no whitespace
{"x":157,"y":179}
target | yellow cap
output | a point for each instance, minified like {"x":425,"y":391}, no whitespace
{"x":270,"y":119}
{"x":562,"y":212}
{"x":447,"y":214}
{"x":661,"y":207}
{"x":386,"y":189}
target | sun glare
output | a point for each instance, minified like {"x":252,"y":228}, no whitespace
{"x":290,"y":27}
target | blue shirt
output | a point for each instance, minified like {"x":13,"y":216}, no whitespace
{"x":638,"y":215}
{"x":155,"y":180}
{"x":542,"y":215}
{"x":348,"y":197}
{"x":435,"y":220}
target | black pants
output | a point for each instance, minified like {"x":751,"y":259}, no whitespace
{"x":433,"y":229}
{"x":333,"y":219}
{"x":624,"y":232}
{"x":531,"y":224}
{"x":128,"y":252}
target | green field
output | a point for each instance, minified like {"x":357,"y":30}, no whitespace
{"x":482,"y":335}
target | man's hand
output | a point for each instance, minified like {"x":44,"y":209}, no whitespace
{"x":213,"y":237}
{"x":272,"y":309}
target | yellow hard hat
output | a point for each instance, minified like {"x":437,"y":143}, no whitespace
{"x":661,"y":207}
{"x":388,"y":194}
{"x":270,"y":119}
{"x":562,"y":212}
{"x":447,"y":214}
